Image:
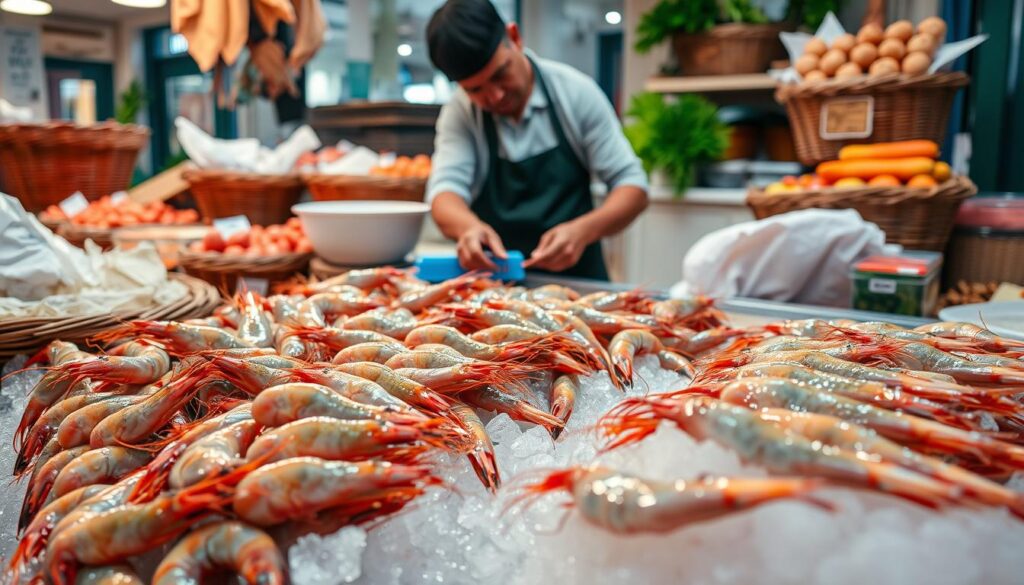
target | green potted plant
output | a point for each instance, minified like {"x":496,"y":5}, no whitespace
{"x":674,"y":137}
{"x":712,"y":37}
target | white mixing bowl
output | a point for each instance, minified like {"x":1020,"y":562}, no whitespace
{"x":362,"y":233}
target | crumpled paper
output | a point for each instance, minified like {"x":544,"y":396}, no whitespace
{"x":42,"y":275}
{"x":831,"y":29}
{"x":10,"y":113}
{"x":801,"y":257}
{"x":243,"y":154}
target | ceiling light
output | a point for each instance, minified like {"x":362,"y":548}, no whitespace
{"x":141,"y":3}
{"x":29,"y":7}
{"x":405,"y":49}
{"x":613,"y":17}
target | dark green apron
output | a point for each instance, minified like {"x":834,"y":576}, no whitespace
{"x":522,"y":200}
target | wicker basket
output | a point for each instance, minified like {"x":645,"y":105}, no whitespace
{"x":904,"y":108}
{"x":728,"y":49}
{"x":264,"y":199}
{"x":28,"y":334}
{"x":223,"y":271}
{"x":76,"y":235}
{"x":919,"y":219}
{"x":353,"y":187}
{"x":43,"y":164}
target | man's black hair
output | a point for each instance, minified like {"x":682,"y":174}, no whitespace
{"x":462,"y":36}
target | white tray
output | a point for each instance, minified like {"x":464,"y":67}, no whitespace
{"x":1004,"y":318}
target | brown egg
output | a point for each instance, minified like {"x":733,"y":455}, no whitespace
{"x":831,"y":61}
{"x":934,"y":26}
{"x":844,"y":42}
{"x":916,"y":63}
{"x":923,"y":43}
{"x":901,"y":29}
{"x":815,"y":76}
{"x":864,"y":54}
{"x":849,"y":70}
{"x":806,"y":63}
{"x":884,"y":66}
{"x":892,"y":48}
{"x":870,"y":33}
{"x":816,"y":47}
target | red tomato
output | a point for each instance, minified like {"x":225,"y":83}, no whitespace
{"x":234,"y":250}
{"x":242,"y":239}
{"x":212,"y":242}
{"x":303,"y":246}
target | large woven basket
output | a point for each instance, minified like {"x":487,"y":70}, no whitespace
{"x":28,"y":334}
{"x":353,"y":187}
{"x":919,"y":219}
{"x":77,"y":235}
{"x":728,"y":49}
{"x":264,"y":199}
{"x":43,"y":164}
{"x":223,"y":271}
{"x":904,"y":108}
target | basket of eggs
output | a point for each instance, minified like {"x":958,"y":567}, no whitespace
{"x":875,"y":86}
{"x":404,"y":179}
{"x":900,"y":186}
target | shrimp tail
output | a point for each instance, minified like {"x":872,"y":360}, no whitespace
{"x":155,"y":476}
{"x":486,"y":467}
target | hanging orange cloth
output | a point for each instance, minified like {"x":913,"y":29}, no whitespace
{"x":204,"y":24}
{"x":237,"y":30}
{"x":309,"y":32}
{"x":270,"y":12}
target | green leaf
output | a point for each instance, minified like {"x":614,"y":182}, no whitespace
{"x":675,"y":137}
{"x":130,"y":103}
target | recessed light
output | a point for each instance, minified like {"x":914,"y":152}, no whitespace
{"x":613,"y":17}
{"x":29,"y":7}
{"x":141,"y":3}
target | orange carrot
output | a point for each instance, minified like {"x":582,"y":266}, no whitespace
{"x":901,"y":168}
{"x":903,"y":149}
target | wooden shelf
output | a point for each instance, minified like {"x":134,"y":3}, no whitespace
{"x":711,"y":84}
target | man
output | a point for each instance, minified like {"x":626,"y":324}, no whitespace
{"x":516,"y":148}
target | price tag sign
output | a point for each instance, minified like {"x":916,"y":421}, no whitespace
{"x":847,"y":118}
{"x":118,"y":198}
{"x":74,"y":205}
{"x":387,"y":160}
{"x":229,"y":226}
{"x":259,"y":286}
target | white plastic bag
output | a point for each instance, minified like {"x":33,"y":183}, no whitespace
{"x":802,"y":257}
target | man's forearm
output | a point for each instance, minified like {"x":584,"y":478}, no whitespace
{"x":452,"y":215}
{"x":623,"y":205}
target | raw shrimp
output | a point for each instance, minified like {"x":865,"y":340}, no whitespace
{"x":813,"y":328}
{"x":364,"y":279}
{"x":582,"y":332}
{"x":301,"y":486}
{"x":626,"y":345}
{"x":47,"y":425}
{"x":479,"y":317}
{"x":693,"y":312}
{"x":333,"y":305}
{"x":527,"y":310}
{"x":50,"y":388}
{"x":123,"y":531}
{"x":290,"y":402}
{"x":229,"y":315}
{"x":671,"y":360}
{"x":135,"y":362}
{"x":694,"y":343}
{"x":374,"y":351}
{"x":563,"y":399}
{"x":418,"y":299}
{"x":979,"y":336}
{"x":77,"y":427}
{"x":338,"y":339}
{"x":98,"y":466}
{"x":245,"y":551}
{"x":872,"y":392}
{"x":33,"y":538}
{"x":178,"y":339}
{"x":481,"y":456}
{"x":215,"y":454}
{"x":553,"y":349}
{"x":913,"y":431}
{"x":405,"y":389}
{"x":554,"y":291}
{"x":285,"y":311}
{"x":255,"y":328}
{"x":337,"y":439}
{"x":250,"y":375}
{"x":626,"y":504}
{"x":135,"y":423}
{"x":633,"y":301}
{"x":919,"y":356}
{"x":835,"y":431}
{"x":353,"y":387}
{"x":108,"y":575}
{"x":604,"y":323}
{"x":758,"y":441}
{"x":41,"y":483}
{"x":397,"y":323}
{"x":495,"y":399}
{"x":990,"y":360}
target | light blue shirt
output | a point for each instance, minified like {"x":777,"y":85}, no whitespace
{"x":591,"y":127}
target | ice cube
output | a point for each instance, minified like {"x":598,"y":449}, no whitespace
{"x":328,"y":560}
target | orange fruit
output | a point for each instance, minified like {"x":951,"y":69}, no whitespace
{"x":885,"y":181}
{"x":942,"y":171}
{"x":922,"y":182}
{"x":849,"y":182}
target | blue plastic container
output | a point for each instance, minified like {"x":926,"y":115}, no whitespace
{"x":439,"y":267}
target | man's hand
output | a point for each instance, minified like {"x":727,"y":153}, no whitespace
{"x":473,"y":245}
{"x":560,"y":247}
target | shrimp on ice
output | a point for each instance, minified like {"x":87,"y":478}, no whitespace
{"x":243,"y":550}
